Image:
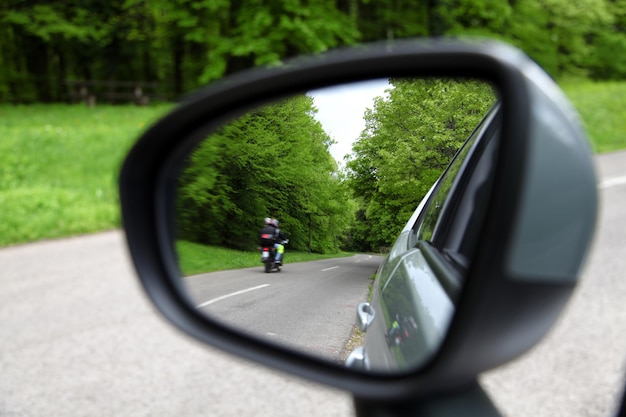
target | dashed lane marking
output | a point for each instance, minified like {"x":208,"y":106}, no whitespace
{"x":232,"y":294}
{"x":328,"y":269}
{"x":612,"y":182}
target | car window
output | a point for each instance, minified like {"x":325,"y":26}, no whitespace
{"x":457,"y":239}
{"x":436,"y":203}
{"x":440,"y":208}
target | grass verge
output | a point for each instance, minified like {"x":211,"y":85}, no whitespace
{"x":59,"y":166}
{"x":195,"y":258}
{"x":602,"y":107}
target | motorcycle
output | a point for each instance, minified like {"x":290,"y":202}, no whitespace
{"x":268,"y":256}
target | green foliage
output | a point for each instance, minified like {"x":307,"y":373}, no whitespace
{"x":608,"y":60}
{"x":182,"y":44}
{"x":390,"y":20}
{"x":47,"y":21}
{"x":528,"y":30}
{"x":272,"y":162}
{"x":566,"y":38}
{"x":472,"y":17}
{"x":59,"y":167}
{"x":571,"y":27}
{"x":409,"y":139}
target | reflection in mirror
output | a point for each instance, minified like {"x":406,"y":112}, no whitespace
{"x":285,"y":214}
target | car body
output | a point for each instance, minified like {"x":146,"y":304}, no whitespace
{"x":412,"y":304}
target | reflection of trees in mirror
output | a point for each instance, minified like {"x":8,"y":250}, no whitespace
{"x":275,"y":162}
{"x":409,"y":139}
{"x":271,"y":162}
{"x":432,"y":213}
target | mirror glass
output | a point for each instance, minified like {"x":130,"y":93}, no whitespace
{"x":284,"y":215}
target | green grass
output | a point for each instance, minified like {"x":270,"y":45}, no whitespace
{"x":59,"y":166}
{"x":195,"y":258}
{"x":602,"y":107}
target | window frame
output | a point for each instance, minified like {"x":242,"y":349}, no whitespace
{"x":475,"y":145}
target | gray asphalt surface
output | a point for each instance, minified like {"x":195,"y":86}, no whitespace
{"x":78,"y":338}
{"x":309,"y":305}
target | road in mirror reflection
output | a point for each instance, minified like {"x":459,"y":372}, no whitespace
{"x":308,"y":305}
{"x":338,"y":215}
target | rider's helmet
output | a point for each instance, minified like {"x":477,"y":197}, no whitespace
{"x":275,"y":222}
{"x":267,"y":220}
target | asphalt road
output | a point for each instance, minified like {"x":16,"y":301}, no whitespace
{"x":78,"y":337}
{"x":310,"y":306}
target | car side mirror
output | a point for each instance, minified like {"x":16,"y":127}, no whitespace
{"x":502,"y":236}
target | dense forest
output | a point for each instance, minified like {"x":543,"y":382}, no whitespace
{"x":181,"y":44}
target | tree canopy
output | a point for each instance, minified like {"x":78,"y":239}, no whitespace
{"x":182,"y":44}
{"x":272,"y":162}
{"x":410,"y":137}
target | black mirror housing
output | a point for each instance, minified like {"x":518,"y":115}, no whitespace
{"x":530,"y":250}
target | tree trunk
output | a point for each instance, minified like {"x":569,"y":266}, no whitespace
{"x":178,"y":54}
{"x":36,"y":52}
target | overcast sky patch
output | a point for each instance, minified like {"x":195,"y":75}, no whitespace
{"x":341,"y":109}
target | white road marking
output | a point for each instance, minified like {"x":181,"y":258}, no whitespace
{"x":612,"y":182}
{"x":233,"y":294}
{"x":328,"y":269}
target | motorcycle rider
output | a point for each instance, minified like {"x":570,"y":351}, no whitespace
{"x":280,"y":240}
{"x":267,"y":235}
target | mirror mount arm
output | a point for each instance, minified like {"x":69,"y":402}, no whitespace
{"x":469,"y":401}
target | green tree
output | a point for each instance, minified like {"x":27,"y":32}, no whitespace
{"x":388,"y":20}
{"x":410,"y":137}
{"x":272,"y":162}
{"x":565,"y":37}
{"x":608,"y":56}
{"x":559,"y":34}
{"x":472,"y":17}
{"x":52,"y":41}
{"x":35,"y":38}
{"x":181,"y":43}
